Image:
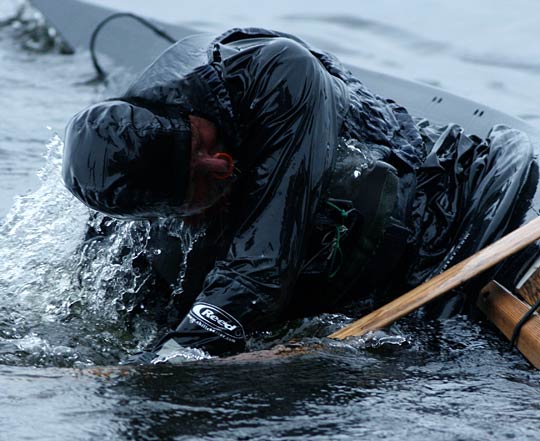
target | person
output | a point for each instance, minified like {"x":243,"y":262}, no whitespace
{"x":312,"y":191}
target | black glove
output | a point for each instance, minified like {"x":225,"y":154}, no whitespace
{"x":191,"y":335}
{"x":210,"y":328}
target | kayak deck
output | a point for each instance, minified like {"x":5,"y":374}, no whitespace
{"x":134,"y":46}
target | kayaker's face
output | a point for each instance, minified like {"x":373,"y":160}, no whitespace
{"x":209,"y":171}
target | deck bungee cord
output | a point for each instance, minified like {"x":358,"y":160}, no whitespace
{"x":528,"y":315}
{"x":101,"y":74}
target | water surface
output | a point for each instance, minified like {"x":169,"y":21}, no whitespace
{"x":59,"y":319}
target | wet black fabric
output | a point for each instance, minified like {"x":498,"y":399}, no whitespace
{"x":128,"y":160}
{"x":289,"y":113}
{"x":289,"y":105}
{"x":283,"y":110}
{"x":471,"y":192}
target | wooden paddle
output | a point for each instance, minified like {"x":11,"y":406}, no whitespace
{"x":437,"y":286}
{"x":444,"y":282}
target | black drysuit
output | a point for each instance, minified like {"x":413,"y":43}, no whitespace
{"x":339,"y":193}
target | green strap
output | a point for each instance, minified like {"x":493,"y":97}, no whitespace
{"x":336,"y":245}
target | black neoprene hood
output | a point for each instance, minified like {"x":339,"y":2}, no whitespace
{"x":128,"y":161}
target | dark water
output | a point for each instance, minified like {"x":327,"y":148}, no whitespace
{"x":455,"y":381}
{"x":60,"y":316}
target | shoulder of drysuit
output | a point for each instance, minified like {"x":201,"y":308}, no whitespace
{"x":236,"y":35}
{"x":191,"y":86}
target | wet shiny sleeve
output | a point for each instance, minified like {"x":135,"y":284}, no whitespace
{"x":289,"y":109}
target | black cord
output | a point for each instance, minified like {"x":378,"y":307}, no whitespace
{"x":523,"y":320}
{"x":100,"y":72}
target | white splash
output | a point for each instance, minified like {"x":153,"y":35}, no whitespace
{"x":58,"y":291}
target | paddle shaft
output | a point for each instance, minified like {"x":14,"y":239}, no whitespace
{"x":444,"y":282}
